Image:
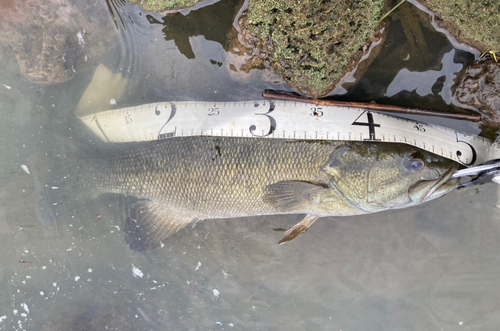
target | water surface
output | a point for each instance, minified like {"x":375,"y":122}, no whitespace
{"x":432,"y":267}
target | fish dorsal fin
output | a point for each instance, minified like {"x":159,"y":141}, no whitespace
{"x":148,"y":224}
{"x":291,"y":195}
{"x":298,"y":228}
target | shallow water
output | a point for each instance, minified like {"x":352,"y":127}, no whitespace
{"x":431,"y":267}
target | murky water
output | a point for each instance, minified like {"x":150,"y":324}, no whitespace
{"x":432,"y":267}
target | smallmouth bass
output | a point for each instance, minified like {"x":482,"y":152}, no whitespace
{"x":179,"y":181}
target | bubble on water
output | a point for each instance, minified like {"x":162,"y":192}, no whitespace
{"x":136,"y":272}
{"x":25,"y":168}
{"x":25,"y":307}
{"x":80,"y":36}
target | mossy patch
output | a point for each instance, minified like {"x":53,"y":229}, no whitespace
{"x":478,"y":21}
{"x":162,"y":5}
{"x":311,"y":43}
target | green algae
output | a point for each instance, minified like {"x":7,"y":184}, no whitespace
{"x":478,"y":21}
{"x":162,"y":5}
{"x":311,"y":43}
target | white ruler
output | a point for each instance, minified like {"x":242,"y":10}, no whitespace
{"x":287,"y":120}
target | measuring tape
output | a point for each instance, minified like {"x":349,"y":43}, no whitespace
{"x":286,"y":120}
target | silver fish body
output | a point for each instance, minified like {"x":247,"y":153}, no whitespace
{"x":183,"y":180}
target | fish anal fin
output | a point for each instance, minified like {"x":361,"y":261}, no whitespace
{"x":290,"y":195}
{"x":298,"y":228}
{"x":149,"y":223}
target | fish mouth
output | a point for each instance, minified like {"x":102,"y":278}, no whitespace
{"x":431,"y":189}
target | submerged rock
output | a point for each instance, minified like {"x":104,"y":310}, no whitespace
{"x":476,"y":23}
{"x":98,"y":309}
{"x":311,"y":44}
{"x":162,"y":5}
{"x":53,"y":39}
{"x":479,"y":87}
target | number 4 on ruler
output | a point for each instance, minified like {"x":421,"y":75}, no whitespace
{"x":371,"y":125}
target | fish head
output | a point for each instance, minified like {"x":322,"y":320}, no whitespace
{"x":379,"y":176}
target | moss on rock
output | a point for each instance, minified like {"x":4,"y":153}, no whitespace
{"x":477,"y":22}
{"x":311,"y":43}
{"x":162,"y":5}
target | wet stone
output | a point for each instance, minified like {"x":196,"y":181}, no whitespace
{"x":162,"y":5}
{"x":479,"y":87}
{"x":310,"y":44}
{"x":52,"y":40}
{"x":97,"y":309}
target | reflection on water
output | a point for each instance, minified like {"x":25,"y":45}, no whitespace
{"x":417,"y":69}
{"x":180,"y":28}
{"x":419,"y":81}
{"x":431,"y":267}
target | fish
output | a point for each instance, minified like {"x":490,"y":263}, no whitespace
{"x":184,"y":180}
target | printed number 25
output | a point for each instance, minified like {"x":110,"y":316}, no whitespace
{"x":213,"y":111}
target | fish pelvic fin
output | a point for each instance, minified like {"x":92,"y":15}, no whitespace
{"x":149,"y":223}
{"x":298,"y":228}
{"x":291,"y":195}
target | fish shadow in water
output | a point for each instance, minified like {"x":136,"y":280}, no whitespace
{"x":98,"y":309}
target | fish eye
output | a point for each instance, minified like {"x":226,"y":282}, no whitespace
{"x":414,"y":164}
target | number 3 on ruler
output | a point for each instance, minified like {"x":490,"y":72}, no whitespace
{"x":272,"y":122}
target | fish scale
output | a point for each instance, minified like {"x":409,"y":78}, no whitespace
{"x":178,"y":181}
{"x":179,"y":165}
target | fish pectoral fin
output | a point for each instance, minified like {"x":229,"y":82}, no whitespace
{"x":149,"y":223}
{"x":298,"y":228}
{"x":291,"y":195}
